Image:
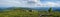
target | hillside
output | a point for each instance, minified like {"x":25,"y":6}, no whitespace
{"x":17,"y":12}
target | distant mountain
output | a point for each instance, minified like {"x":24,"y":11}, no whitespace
{"x":41,"y":8}
{"x":56,"y":8}
{"x":35,"y":8}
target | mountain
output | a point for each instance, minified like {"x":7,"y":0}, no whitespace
{"x":56,"y":8}
{"x":26,"y":8}
{"x":35,"y":8}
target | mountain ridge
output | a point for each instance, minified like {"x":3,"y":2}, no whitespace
{"x":36,"y":8}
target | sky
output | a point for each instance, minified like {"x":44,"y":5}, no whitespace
{"x":29,"y":3}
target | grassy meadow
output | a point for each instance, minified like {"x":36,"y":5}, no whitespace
{"x":25,"y":13}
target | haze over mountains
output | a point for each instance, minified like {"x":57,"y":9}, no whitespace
{"x":34,"y":8}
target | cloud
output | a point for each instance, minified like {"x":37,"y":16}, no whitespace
{"x":53,"y":4}
{"x":9,"y":3}
{"x":28,"y":3}
{"x":50,"y":4}
{"x":19,"y":3}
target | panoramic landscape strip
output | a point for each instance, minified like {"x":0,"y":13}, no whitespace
{"x":29,"y":8}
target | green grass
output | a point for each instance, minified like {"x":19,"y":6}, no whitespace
{"x":25,"y":13}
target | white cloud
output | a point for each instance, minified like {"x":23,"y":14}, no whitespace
{"x":19,"y":3}
{"x":27,"y":3}
{"x":52,"y":4}
{"x":10,"y":3}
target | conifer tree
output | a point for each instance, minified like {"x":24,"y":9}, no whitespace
{"x":50,"y":10}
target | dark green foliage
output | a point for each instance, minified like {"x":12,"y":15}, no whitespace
{"x":30,"y":10}
{"x":50,"y":10}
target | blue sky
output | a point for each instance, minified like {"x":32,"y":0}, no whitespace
{"x":29,"y":3}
